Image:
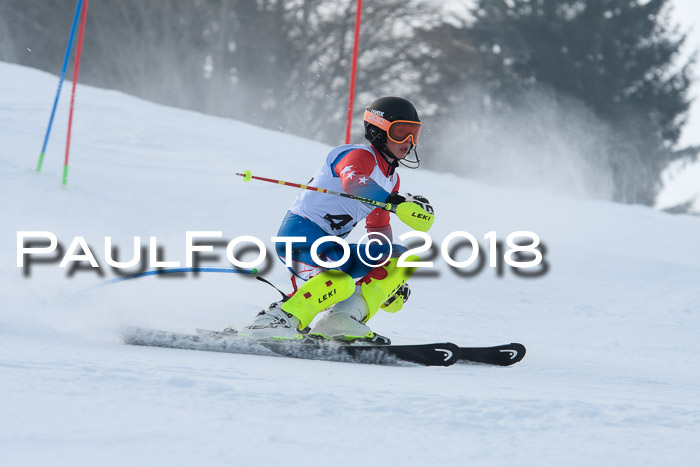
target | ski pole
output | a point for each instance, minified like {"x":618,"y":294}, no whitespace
{"x":247,"y":176}
{"x":178,"y":271}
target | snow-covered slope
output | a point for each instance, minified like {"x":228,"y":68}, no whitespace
{"x":611,"y":376}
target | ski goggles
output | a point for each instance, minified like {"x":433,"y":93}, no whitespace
{"x":398,"y":131}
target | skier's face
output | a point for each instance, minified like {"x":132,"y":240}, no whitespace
{"x":399,"y":149}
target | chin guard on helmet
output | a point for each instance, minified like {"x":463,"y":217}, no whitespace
{"x":411,"y":163}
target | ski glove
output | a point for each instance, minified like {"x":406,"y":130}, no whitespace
{"x":421,"y":201}
{"x":395,"y":198}
{"x":414,"y":210}
{"x":396,"y":301}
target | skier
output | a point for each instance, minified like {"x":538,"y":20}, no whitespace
{"x":392,"y":128}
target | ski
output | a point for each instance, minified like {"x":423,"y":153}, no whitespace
{"x":501,"y":355}
{"x":440,"y":354}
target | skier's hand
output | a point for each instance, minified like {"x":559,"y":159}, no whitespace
{"x":421,"y":201}
{"x":395,"y":198}
{"x":396,"y":301}
{"x":414,"y":210}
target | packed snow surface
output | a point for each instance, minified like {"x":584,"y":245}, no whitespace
{"x":612,"y":374}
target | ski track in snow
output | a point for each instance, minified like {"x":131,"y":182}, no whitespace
{"x":611,"y":375}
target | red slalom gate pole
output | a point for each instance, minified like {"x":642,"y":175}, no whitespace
{"x":75,"y":82}
{"x":353,"y":71}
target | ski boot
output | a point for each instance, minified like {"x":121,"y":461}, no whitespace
{"x":283,"y":320}
{"x":273,"y":323}
{"x":345,"y":321}
{"x":382,"y":288}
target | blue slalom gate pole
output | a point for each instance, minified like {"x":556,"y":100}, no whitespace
{"x":60,"y":82}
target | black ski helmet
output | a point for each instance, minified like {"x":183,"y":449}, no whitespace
{"x":391,"y":109}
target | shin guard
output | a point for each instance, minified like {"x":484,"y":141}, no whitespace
{"x":317,"y":294}
{"x":383,"y":282}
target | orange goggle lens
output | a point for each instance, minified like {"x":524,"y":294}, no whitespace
{"x":398,"y":131}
